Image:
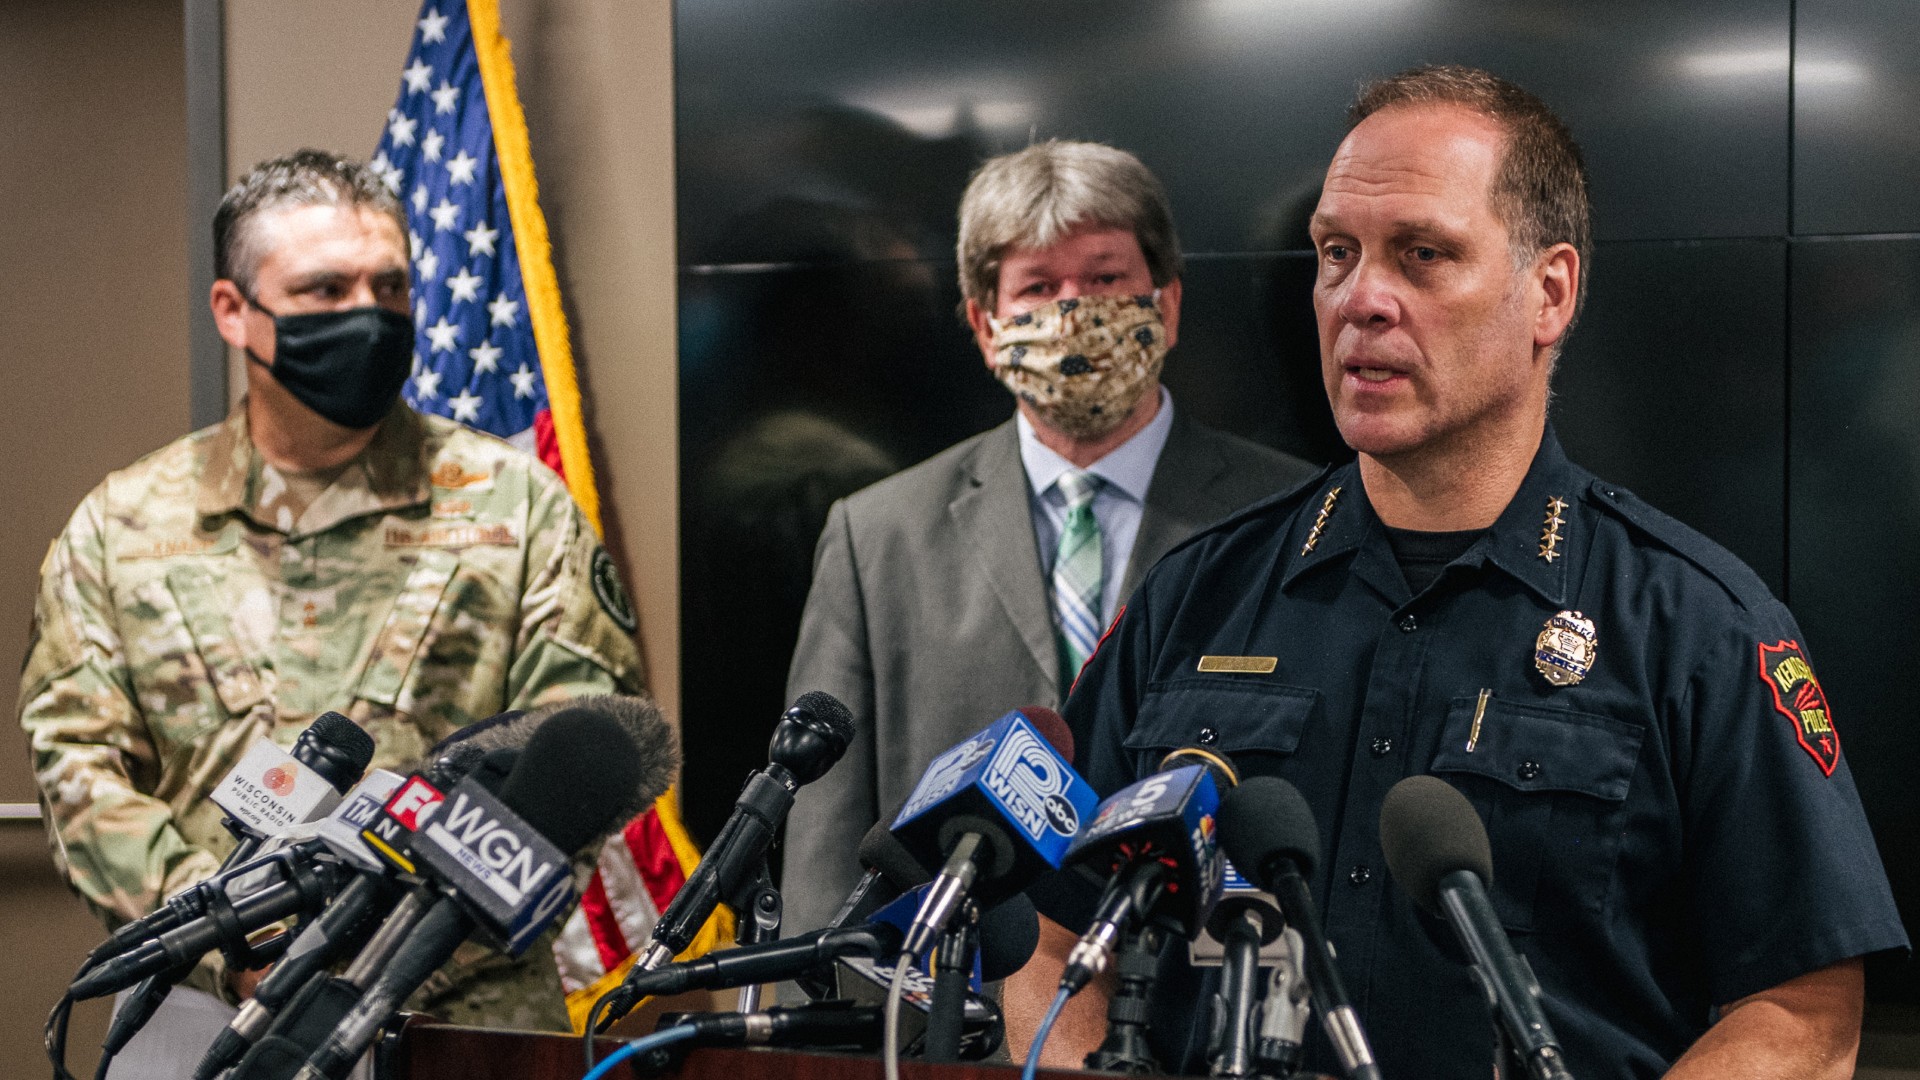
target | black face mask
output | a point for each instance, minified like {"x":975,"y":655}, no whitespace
{"x":348,"y":366}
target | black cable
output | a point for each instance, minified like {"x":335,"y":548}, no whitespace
{"x":594,"y":1016}
{"x":57,"y":1037}
{"x":106,"y":1060}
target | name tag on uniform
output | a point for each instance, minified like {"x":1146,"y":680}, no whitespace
{"x":1240,"y":665}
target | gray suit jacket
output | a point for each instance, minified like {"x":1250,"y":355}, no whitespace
{"x":928,"y":617}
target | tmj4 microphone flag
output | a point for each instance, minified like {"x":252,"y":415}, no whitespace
{"x":491,"y":350}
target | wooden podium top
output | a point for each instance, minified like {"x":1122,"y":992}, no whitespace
{"x":450,"y":1052}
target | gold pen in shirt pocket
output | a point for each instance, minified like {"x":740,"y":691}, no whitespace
{"x":1479,"y":713}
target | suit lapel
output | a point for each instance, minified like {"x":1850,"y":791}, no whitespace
{"x":1180,"y":500}
{"x":995,"y":521}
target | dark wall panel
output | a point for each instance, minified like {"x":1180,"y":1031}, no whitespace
{"x":1855,"y":494}
{"x":876,"y":112}
{"x":1856,"y":93}
{"x":1674,"y":386}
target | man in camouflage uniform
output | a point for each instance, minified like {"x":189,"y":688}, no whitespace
{"x":325,"y":547}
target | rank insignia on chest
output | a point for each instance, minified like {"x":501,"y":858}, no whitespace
{"x":1564,"y":651}
{"x":1798,"y":697}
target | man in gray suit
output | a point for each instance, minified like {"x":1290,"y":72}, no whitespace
{"x":979,"y":580}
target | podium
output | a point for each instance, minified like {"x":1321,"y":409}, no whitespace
{"x":451,"y":1052}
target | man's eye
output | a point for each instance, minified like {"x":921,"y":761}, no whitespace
{"x":1334,"y":252}
{"x":1425,"y":254}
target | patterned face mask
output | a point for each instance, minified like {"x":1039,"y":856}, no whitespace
{"x":1082,"y":363}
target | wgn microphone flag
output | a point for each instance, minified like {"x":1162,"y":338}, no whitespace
{"x":491,"y":350}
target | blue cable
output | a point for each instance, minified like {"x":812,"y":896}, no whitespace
{"x":1039,"y":1036}
{"x":642,"y":1046}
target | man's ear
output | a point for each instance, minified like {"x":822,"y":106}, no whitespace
{"x":982,"y":333}
{"x":1558,"y":274}
{"x":1170,"y":311}
{"x":230,"y":315}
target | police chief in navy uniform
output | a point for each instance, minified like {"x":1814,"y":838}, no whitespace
{"x":1678,"y":847}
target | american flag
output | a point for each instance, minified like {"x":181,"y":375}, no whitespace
{"x":490,"y":342}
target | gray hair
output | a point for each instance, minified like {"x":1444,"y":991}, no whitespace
{"x":1035,"y":197}
{"x":303,"y":178}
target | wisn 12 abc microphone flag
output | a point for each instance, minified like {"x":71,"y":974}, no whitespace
{"x":491,"y":350}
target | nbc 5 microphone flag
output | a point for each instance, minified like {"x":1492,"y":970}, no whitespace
{"x":491,"y":350}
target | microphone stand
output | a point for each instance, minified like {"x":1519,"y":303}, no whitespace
{"x":1125,"y":1048}
{"x":1239,"y":991}
{"x":758,"y":909}
{"x":952,"y":969}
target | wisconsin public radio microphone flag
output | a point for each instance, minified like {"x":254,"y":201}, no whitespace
{"x":491,"y":350}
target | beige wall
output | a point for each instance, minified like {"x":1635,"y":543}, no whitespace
{"x":93,"y":345}
{"x":94,"y":318}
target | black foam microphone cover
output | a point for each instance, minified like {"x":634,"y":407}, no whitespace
{"x":573,"y":779}
{"x":1427,"y":831}
{"x":882,"y":852}
{"x":336,"y":748}
{"x":1009,"y":932}
{"x":1263,"y":820}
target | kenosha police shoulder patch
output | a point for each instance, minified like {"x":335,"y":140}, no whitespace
{"x":1798,"y":696}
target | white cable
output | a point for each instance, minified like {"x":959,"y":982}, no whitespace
{"x":890,"y":1051}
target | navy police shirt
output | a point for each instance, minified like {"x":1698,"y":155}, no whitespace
{"x":1672,"y":821}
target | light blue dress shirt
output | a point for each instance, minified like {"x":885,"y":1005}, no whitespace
{"x":1118,"y":506}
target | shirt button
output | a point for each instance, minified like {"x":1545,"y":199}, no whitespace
{"x":1408,"y":624}
{"x":1528,"y":770}
{"x":1381,"y":747}
{"x":1208,"y":736}
{"x":1360,"y":875}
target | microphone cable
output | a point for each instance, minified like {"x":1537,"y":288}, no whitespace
{"x":1040,"y":1033}
{"x":890,"y":1046}
{"x":57,"y":1037}
{"x":644,"y":1045}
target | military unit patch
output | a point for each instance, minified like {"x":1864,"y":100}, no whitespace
{"x":451,"y":474}
{"x":606,"y":589}
{"x":1797,"y":694}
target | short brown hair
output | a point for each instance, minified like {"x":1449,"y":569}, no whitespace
{"x":1540,"y":190}
{"x":1034,"y":197}
{"x":302,"y":178}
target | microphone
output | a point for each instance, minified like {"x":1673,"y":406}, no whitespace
{"x":1008,"y":934}
{"x":891,"y":871}
{"x":501,"y":861}
{"x":810,"y":737}
{"x":346,"y":924}
{"x":837,"y":1025}
{"x":767,"y":962}
{"x":298,"y":1005}
{"x":245,"y":898}
{"x":269,"y":791}
{"x":1155,"y":841}
{"x":993,"y":812}
{"x":1268,"y":831}
{"x":1437,"y":849}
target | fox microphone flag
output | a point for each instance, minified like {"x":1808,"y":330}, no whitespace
{"x":491,"y":350}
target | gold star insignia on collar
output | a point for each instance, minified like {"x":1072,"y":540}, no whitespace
{"x":1550,"y":534}
{"x":1320,"y":522}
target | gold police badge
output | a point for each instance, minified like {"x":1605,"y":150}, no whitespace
{"x":1564,"y":651}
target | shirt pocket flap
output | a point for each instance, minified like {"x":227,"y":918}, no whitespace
{"x":1224,"y":713}
{"x":1533,"y":748}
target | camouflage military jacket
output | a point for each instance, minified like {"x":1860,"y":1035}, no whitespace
{"x":443,"y":576}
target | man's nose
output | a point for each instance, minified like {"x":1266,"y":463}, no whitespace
{"x":361,"y":295}
{"x":1370,"y":298}
{"x":1070,"y":288}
